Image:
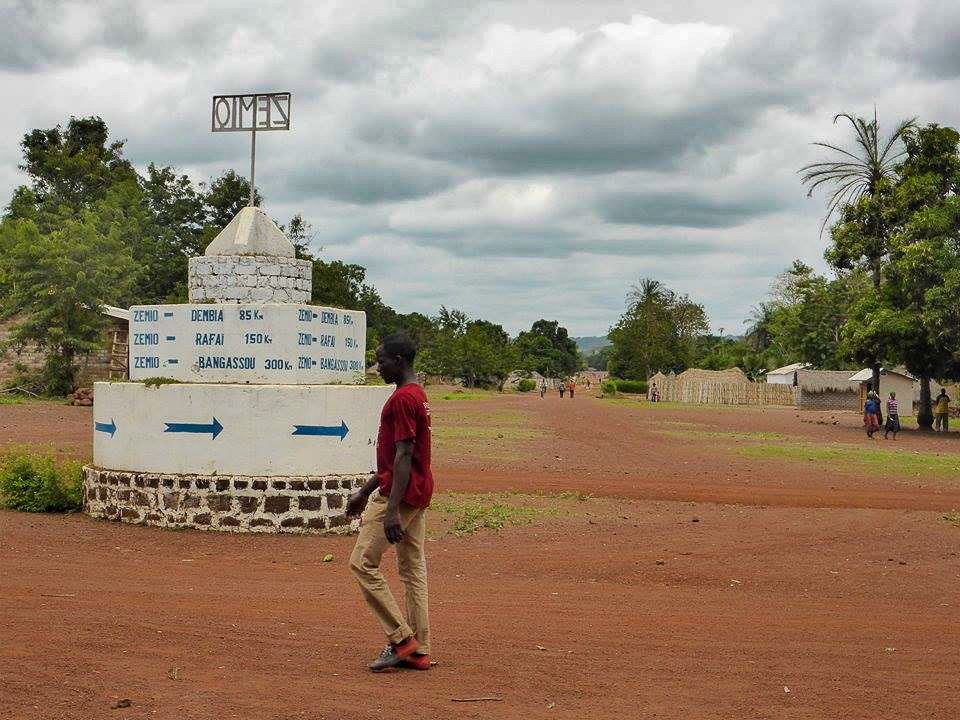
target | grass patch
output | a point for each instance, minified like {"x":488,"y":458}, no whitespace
{"x":438,"y":394}
{"x":880,"y":461}
{"x":503,"y":424}
{"x":641,"y":401}
{"x":448,"y":433}
{"x":473,"y":395}
{"x":579,"y":496}
{"x":155,"y":382}
{"x":704,"y":434}
{"x":11,"y":399}
{"x":951,"y":518}
{"x":472,"y":513}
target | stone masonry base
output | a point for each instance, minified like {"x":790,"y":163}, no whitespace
{"x":249,"y":278}
{"x":219,"y":502}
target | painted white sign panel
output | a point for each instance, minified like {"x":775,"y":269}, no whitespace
{"x":237,"y":429}
{"x":248,"y":343}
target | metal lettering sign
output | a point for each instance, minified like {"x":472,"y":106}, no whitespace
{"x":246,"y":113}
{"x":250,"y":113}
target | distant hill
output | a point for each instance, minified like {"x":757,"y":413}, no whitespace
{"x":588,"y":345}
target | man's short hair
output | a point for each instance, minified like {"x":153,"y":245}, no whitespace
{"x":399,"y":343}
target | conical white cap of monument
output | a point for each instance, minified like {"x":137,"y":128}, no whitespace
{"x":251,"y":232}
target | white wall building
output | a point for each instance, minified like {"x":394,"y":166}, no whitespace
{"x":786,"y":375}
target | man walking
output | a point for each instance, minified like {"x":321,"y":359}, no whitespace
{"x":396,"y":514}
{"x":571,"y":387}
{"x":942,"y":412}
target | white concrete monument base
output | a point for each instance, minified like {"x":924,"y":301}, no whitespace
{"x":262,"y":458}
{"x":206,"y":429}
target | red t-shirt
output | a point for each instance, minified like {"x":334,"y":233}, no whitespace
{"x":406,"y":416}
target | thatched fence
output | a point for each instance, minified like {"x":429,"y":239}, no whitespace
{"x":720,"y":387}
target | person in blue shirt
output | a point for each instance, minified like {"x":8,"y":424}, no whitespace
{"x":870,"y":407}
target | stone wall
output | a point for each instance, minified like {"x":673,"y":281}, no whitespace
{"x":249,"y":278}
{"x":218,"y":502}
{"x":30,"y":359}
{"x":829,"y":400}
{"x":93,"y":367}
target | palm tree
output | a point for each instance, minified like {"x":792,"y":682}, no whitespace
{"x":859,"y":175}
{"x":758,"y":335}
{"x":647,"y":303}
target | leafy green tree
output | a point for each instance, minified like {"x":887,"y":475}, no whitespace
{"x":60,"y":281}
{"x":658,"y":331}
{"x":177,"y":207}
{"x":75,"y":167}
{"x":862,"y":180}
{"x":488,"y":354}
{"x":548,"y":349}
{"x":642,"y":339}
{"x":443,"y":353}
{"x":300,"y":233}
{"x":811,"y":312}
{"x":759,"y":336}
{"x":599,"y":358}
{"x":160,"y":268}
{"x":227,"y":195}
{"x":904,"y":319}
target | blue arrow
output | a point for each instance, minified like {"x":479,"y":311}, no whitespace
{"x":104,"y":427}
{"x":333,"y":430}
{"x":213,"y":428}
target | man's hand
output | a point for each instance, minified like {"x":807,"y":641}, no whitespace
{"x":356,"y":503}
{"x":391,"y":527}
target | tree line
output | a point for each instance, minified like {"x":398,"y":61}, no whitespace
{"x":90,"y":230}
{"x":892,"y":294}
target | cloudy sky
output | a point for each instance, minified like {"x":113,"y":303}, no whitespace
{"x":515,"y":159}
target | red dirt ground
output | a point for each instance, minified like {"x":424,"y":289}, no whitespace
{"x":700,"y":583}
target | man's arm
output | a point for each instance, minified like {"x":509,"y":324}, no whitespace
{"x":402,"y":463}
{"x":358,"y":500}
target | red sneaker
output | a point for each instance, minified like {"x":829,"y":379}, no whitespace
{"x":416,"y":662}
{"x":393,"y":655}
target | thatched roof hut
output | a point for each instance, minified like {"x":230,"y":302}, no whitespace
{"x":824,"y":381}
{"x":827,"y":390}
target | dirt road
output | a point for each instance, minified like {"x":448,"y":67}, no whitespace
{"x":701,"y":583}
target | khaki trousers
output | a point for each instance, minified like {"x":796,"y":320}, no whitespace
{"x":411,"y":565}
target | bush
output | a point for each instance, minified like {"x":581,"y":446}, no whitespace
{"x":35,"y":483}
{"x":526,"y":385}
{"x":638,"y":387}
{"x":609,"y":387}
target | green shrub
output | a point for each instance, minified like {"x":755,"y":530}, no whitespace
{"x":609,"y":387}
{"x":35,"y":483}
{"x":638,"y":387}
{"x":526,"y":385}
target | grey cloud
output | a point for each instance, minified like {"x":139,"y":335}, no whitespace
{"x":936,"y":25}
{"x":395,"y":114}
{"x":559,"y":242}
{"x":363,"y":178}
{"x":38,"y":33}
{"x":574,"y":134}
{"x":684,"y":209}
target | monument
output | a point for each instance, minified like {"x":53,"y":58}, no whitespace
{"x":245,"y":409}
